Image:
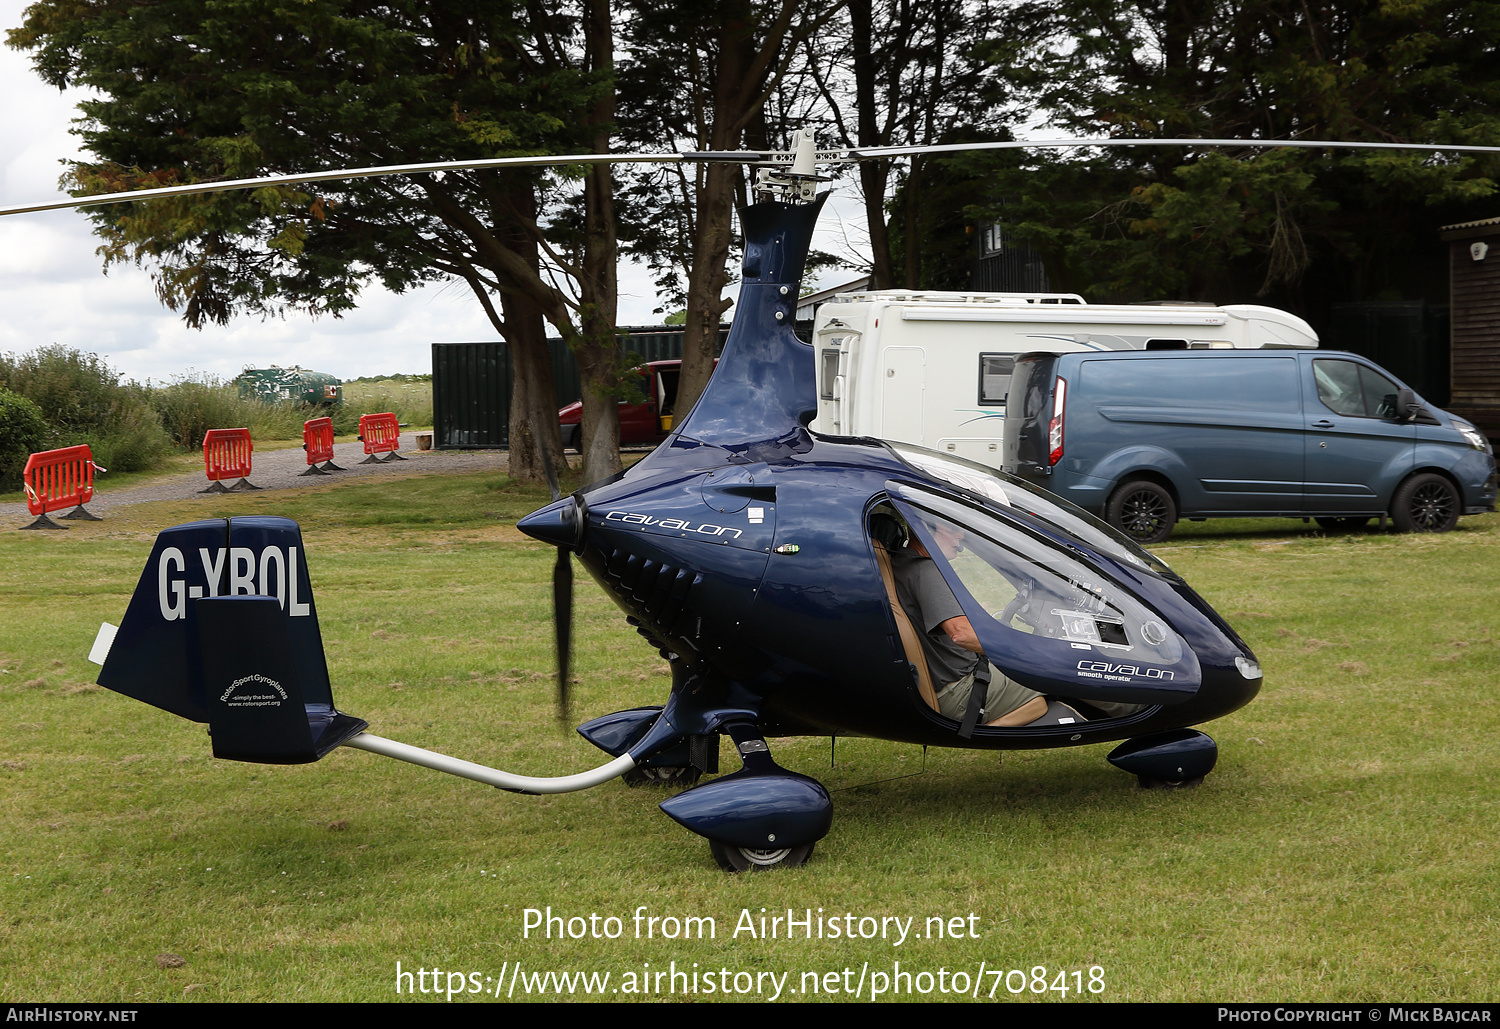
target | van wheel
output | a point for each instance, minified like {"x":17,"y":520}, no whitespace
{"x":573,"y":438}
{"x":1142,"y":510}
{"x":1425,"y":503}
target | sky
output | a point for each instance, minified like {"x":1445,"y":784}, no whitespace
{"x":53,"y":288}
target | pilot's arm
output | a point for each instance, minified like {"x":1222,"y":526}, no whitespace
{"x":961,"y":631}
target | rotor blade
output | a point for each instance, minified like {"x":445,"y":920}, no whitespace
{"x":737,"y":156}
{"x":875,"y":153}
{"x":562,"y":614}
{"x":341,"y":173}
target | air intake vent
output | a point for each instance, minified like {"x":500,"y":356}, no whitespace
{"x":656,"y":591}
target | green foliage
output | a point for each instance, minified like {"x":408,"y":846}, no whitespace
{"x":1299,"y":227}
{"x":195,"y":91}
{"x":83,"y":401}
{"x":22,"y":430}
{"x":409,"y":398}
{"x":134,"y":440}
{"x":188,"y":408}
{"x":191,"y":404}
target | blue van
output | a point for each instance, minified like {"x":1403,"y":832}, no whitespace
{"x":1143,"y":438}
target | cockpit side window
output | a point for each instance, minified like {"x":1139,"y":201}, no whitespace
{"x":1042,"y":616}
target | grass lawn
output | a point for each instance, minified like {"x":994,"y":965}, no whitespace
{"x":1343,"y":850}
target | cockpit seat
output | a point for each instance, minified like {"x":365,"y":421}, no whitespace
{"x":886,"y":533}
{"x":1058,"y":713}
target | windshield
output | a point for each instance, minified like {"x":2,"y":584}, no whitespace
{"x":1022,"y":496}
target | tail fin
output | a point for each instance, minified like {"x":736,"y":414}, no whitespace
{"x":222,"y":629}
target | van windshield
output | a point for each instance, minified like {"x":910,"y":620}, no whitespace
{"x":1014,"y":493}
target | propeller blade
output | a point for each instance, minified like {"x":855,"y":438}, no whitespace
{"x":548,"y":470}
{"x":562,"y":612}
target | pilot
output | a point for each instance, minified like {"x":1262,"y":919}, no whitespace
{"x":953,"y":652}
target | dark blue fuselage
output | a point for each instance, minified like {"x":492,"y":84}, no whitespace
{"x":741,"y":547}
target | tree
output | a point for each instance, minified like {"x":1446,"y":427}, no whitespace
{"x":728,"y":58}
{"x":911,"y":74}
{"x":198,"y":90}
{"x":1296,"y":227}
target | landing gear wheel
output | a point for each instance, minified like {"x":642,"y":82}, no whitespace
{"x":1425,"y":503}
{"x":1169,"y":784}
{"x":667,"y":775}
{"x":743,"y":859}
{"x":1142,"y":510}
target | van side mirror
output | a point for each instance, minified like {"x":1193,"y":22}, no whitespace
{"x":1406,"y":405}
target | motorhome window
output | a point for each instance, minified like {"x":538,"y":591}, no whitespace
{"x":1349,"y":388}
{"x":830,"y":372}
{"x":1166,"y":344}
{"x":1194,"y":383}
{"x":994,"y":377}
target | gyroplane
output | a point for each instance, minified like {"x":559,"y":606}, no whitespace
{"x":759,"y":557}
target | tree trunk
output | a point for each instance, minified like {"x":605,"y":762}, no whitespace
{"x":597,"y":353}
{"x":705,"y":300}
{"x":714,"y":201}
{"x":533,"y":393}
{"x":911,"y":243}
{"x":873,"y":175}
{"x":533,"y":396}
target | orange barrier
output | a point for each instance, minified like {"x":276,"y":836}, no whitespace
{"x":57,"y":478}
{"x":226,"y":454}
{"x":317,"y":440}
{"x":381,"y":435}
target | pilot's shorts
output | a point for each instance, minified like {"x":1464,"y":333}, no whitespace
{"x":1004,"y":697}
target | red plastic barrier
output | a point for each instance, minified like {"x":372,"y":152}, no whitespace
{"x":59,"y":478}
{"x":226,"y":455}
{"x":381,"y":434}
{"x":317,"y":439}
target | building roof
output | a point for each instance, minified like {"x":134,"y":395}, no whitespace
{"x":808,"y":304}
{"x":1482,"y":222}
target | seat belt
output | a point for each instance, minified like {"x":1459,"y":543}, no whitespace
{"x":977,"y":695}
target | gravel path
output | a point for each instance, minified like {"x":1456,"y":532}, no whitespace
{"x":282,"y":469}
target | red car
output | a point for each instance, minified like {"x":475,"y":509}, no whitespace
{"x":643,"y":424}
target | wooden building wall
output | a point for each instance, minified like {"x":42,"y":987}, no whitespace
{"x":1474,"y":291}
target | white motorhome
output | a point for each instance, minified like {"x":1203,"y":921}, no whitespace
{"x":933,"y":368}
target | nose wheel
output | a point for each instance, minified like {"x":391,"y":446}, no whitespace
{"x":743,"y":859}
{"x":763,"y":816}
{"x":1148,"y":783}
